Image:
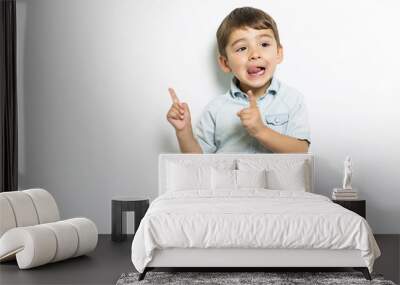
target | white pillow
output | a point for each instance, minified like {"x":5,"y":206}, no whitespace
{"x":281,"y":174}
{"x":188,"y":177}
{"x":251,"y":179}
{"x":288,"y":179}
{"x":228,"y":179}
{"x":223,"y":179}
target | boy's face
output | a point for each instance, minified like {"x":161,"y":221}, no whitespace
{"x":248,"y":49}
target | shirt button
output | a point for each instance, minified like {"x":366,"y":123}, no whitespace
{"x":276,"y":120}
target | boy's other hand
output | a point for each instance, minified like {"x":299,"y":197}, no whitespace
{"x":250,"y":117}
{"x":178,"y":115}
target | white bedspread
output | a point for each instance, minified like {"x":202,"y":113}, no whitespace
{"x":251,"y":218}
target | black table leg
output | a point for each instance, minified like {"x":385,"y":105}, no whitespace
{"x":118,"y":217}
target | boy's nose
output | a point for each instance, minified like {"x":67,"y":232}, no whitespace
{"x":254,"y":55}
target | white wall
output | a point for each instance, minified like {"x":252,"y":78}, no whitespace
{"x":93,"y":93}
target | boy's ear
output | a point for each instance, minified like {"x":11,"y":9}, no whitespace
{"x":223,"y":64}
{"x":280,"y":54}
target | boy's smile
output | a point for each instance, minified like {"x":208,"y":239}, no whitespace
{"x":252,"y":56}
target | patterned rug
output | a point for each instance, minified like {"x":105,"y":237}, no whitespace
{"x":270,"y":278}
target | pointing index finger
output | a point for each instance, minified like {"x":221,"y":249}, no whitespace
{"x":173,"y":95}
{"x":252,"y":99}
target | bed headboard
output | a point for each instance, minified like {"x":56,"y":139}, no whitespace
{"x":215,"y":158}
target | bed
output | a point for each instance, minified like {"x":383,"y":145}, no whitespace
{"x":245,"y":211}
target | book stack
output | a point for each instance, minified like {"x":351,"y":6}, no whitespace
{"x":344,"y":194}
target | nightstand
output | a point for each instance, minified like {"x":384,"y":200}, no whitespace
{"x":119,"y":207}
{"x":357,"y":206}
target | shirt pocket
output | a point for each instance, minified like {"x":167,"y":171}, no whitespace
{"x":277,"y":122}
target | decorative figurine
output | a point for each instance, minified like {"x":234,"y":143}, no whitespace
{"x":347,"y":173}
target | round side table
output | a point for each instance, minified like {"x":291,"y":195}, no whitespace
{"x":119,"y":206}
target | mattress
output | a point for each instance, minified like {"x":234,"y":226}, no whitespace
{"x":251,"y":219}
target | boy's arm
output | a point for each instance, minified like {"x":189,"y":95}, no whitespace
{"x":179,"y":117}
{"x":187,"y":141}
{"x":279,"y":143}
{"x":270,"y":139}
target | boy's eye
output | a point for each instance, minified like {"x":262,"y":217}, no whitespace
{"x":263,"y":44}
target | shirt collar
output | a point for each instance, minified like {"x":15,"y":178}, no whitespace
{"x":236,"y":92}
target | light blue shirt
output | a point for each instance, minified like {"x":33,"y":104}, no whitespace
{"x":282,"y":108}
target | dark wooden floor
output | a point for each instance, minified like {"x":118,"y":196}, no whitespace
{"x":102,"y":266}
{"x":111,"y":259}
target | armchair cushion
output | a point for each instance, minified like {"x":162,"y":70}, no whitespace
{"x":31,"y":232}
{"x":40,"y":244}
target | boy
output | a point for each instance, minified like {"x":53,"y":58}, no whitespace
{"x":259,"y":113}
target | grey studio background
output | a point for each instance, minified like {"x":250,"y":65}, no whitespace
{"x":93,"y":78}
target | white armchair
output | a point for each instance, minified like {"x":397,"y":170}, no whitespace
{"x":31,"y":230}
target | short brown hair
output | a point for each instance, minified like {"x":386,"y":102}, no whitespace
{"x":244,"y":17}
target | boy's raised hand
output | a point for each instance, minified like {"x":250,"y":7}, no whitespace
{"x":250,"y":117}
{"x":178,"y":115}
